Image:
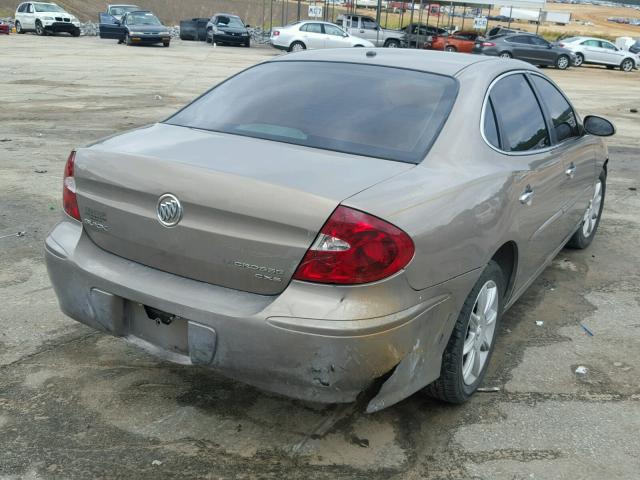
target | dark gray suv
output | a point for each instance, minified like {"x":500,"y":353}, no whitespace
{"x":528,"y":47}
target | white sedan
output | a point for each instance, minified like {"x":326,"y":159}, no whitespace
{"x":312,"y":34}
{"x":600,"y":52}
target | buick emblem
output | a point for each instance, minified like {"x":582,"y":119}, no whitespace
{"x":169,"y":210}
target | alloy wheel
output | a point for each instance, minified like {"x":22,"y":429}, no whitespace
{"x":590,"y":219}
{"x":39,"y":29}
{"x":480,"y":332}
{"x":297,"y":47}
{"x":627,"y":65}
{"x":579,"y":60}
{"x":563,"y":62}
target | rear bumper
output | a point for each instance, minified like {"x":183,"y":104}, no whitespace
{"x":277,"y":343}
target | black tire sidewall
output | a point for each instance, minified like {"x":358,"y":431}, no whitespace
{"x":491,"y":272}
{"x":578,"y":240}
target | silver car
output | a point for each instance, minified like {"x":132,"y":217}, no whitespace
{"x":600,"y":52}
{"x":331,"y":235}
{"x":314,"y":35}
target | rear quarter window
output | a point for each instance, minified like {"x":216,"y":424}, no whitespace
{"x":375,"y":111}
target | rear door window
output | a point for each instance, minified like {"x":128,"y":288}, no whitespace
{"x":523,"y":39}
{"x":367,"y":110}
{"x":563,"y":118}
{"x":519,"y":114}
{"x":312,"y":28}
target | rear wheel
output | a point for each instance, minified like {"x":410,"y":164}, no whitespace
{"x":562,"y":62}
{"x":39,"y":28}
{"x":505,"y":55}
{"x":465,"y":360}
{"x":297,"y":47}
{"x":579,"y":60}
{"x":583,"y":237}
{"x":627,"y":65}
{"x":166,"y":44}
{"x":209,"y":36}
{"x":19,"y":28}
{"x":392,"y":43}
{"x":450,"y":48}
{"x":127,"y":40}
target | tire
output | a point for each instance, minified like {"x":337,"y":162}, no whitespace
{"x":40,"y":29}
{"x":460,"y":375}
{"x":166,"y":44}
{"x":75,"y":33}
{"x":358,"y":46}
{"x":450,"y":48}
{"x":562,"y":62}
{"x":127,"y":40}
{"x":627,"y":65}
{"x":505,"y":55}
{"x":19,"y":28}
{"x":583,"y":236}
{"x":579,"y":60}
{"x":247,"y":44}
{"x":209,"y":39}
{"x":297,"y":47}
{"x":392,"y":43}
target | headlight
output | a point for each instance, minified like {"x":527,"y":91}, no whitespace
{"x":136,"y":33}
{"x":47,"y":18}
{"x":245,"y":34}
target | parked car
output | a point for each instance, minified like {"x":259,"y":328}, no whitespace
{"x":312,"y":35}
{"x":274,"y":229}
{"x":501,"y":31}
{"x":118,"y":11}
{"x":462,"y":42}
{"x":635,"y":48}
{"x":45,"y":18}
{"x":528,"y":47}
{"x":5,"y":28}
{"x":141,"y":27}
{"x":596,"y":51}
{"x":417,"y":34}
{"x":366,"y":27}
{"x":225,"y":28}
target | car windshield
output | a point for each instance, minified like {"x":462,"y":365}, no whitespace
{"x":230,"y":21}
{"x":374,"y":111}
{"x":122,"y":9}
{"x":47,"y":7}
{"x":142,"y":18}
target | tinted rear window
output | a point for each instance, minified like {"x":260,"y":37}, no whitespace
{"x":366,"y":110}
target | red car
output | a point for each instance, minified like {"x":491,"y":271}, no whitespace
{"x":456,"y":42}
{"x":4,"y":28}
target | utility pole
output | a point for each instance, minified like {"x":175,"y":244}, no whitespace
{"x":299,"y":9}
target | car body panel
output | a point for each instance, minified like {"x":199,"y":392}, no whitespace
{"x":462,"y":42}
{"x":317,"y":342}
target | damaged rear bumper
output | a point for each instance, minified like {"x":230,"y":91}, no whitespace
{"x":312,"y":342}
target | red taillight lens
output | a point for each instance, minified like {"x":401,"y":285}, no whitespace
{"x":354,"y":247}
{"x":69,"y":200}
{"x":488,"y":44}
{"x":561,"y":45}
{"x":276,"y":33}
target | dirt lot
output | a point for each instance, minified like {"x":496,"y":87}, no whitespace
{"x":78,"y":404}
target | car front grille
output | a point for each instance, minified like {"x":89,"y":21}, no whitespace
{"x":60,"y":19}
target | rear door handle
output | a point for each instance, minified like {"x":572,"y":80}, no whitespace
{"x":527,"y":196}
{"x":571,"y":171}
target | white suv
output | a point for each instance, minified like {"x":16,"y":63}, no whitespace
{"x":600,"y":52}
{"x":44,"y":18}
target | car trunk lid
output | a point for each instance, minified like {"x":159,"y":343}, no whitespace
{"x":251,"y":207}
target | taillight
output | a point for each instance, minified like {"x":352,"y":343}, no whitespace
{"x":561,"y":45}
{"x":276,"y":33}
{"x":354,"y":247}
{"x":69,"y":200}
{"x":488,"y":44}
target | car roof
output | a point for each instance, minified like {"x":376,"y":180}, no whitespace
{"x":424,"y":60}
{"x":227,"y":15}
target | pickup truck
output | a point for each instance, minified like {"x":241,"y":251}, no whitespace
{"x":366,"y":27}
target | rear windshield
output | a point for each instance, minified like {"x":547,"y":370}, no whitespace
{"x":368,"y":110}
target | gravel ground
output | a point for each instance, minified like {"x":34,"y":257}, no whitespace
{"x":77,"y":404}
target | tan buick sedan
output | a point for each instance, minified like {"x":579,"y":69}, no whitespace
{"x":333,"y":222}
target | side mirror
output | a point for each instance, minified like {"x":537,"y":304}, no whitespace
{"x":599,"y":126}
